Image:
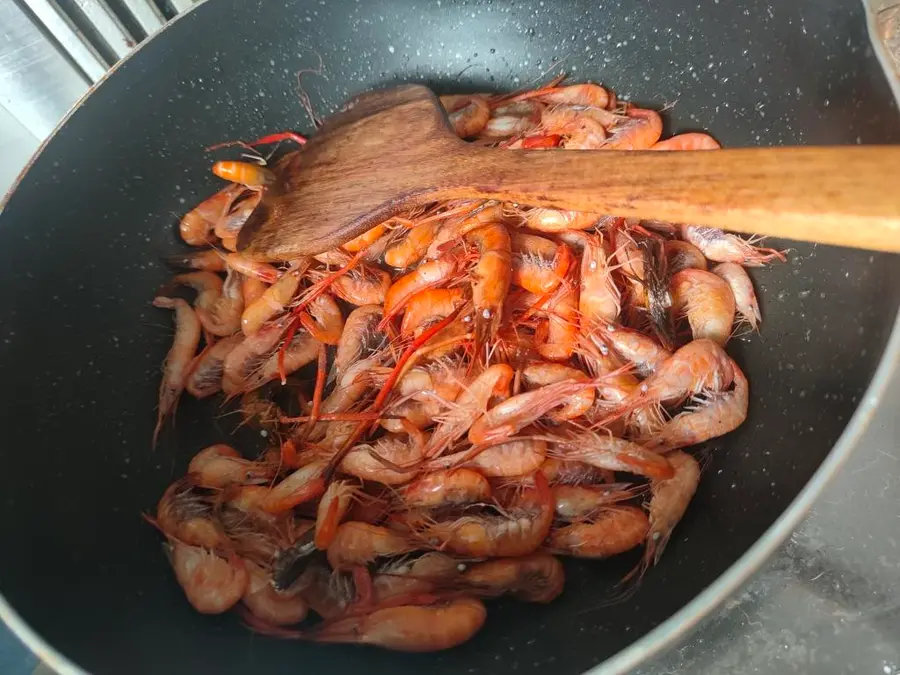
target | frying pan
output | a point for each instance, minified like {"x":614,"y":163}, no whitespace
{"x":83,"y":579}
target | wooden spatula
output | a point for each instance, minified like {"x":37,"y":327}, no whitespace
{"x":391,"y":149}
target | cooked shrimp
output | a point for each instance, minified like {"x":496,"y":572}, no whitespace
{"x":714,"y":413}
{"x":366,"y":239}
{"x":362,"y":285}
{"x":205,"y":372}
{"x":211,"y":584}
{"x":481,"y":213}
{"x":272,"y":606}
{"x":538,"y":264}
{"x":542,"y":374}
{"x":569,"y":472}
{"x":707,"y":302}
{"x":396,"y":449}
{"x":579,"y":503}
{"x":252,"y":290}
{"x":303,"y":485}
{"x":177,"y":364}
{"x":248,"y":356}
{"x":252,"y":268}
{"x":410,"y":628}
{"x":669,"y":500}
{"x":701,"y":365}
{"x":452,"y":487}
{"x":720,"y":246}
{"x":590,"y":95}
{"x":633,"y":346}
{"x":244,"y":173}
{"x":468,"y":114}
{"x":209,"y":260}
{"x":184,"y":515}
{"x":683,"y":255}
{"x":513,"y":458}
{"x":640,"y":132}
{"x":333,"y":506}
{"x":409,"y":578}
{"x":360,"y":544}
{"x":557,"y":335}
{"x":224,"y":316}
{"x":518,"y":530}
{"x":616,"y":454}
{"x":361,"y":338}
{"x":426,"y":275}
{"x":742,"y":289}
{"x":410,"y":249}
{"x":327,"y":325}
{"x":273,"y":301}
{"x":538,"y":577}
{"x":197,"y":225}
{"x":613,"y":531}
{"x":689,"y":141}
{"x":430,"y":305}
{"x":207,"y":284}
{"x":491,"y":278}
{"x":599,"y":299}
{"x":220,"y":465}
{"x":552,"y":221}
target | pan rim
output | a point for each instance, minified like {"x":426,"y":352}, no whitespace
{"x":677,"y":626}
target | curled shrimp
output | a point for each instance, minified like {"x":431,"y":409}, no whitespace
{"x":538,"y":264}
{"x":410,"y":249}
{"x":211,"y":584}
{"x":742,"y":289}
{"x":542,"y":374}
{"x":613,"y":531}
{"x":683,"y":255}
{"x":569,"y":472}
{"x":518,"y":530}
{"x":430,"y":305}
{"x":452,"y":487}
{"x":303,"y":485}
{"x":197,"y":225}
{"x":553,"y":221}
{"x":209,"y":260}
{"x":491,"y":278}
{"x":640,"y":131}
{"x":701,"y":365}
{"x":557,"y":334}
{"x":426,"y":275}
{"x":248,"y":356}
{"x":207,"y":369}
{"x":177,"y":364}
{"x":366,"y":239}
{"x":244,"y":173}
{"x":207,"y":284}
{"x":468,"y":114}
{"x":615,"y":454}
{"x":576,"y":503}
{"x":407,"y":577}
{"x":273,"y":301}
{"x":334,"y":505}
{"x":272,"y":606}
{"x":327,"y":323}
{"x":669,"y":500}
{"x":362,"y":285}
{"x":410,"y":628}
{"x":361,"y":338}
{"x":252,"y":290}
{"x":720,"y":246}
{"x":634,"y":347}
{"x":599,"y":299}
{"x":538,"y":577}
{"x":588,"y":95}
{"x":689,"y":141}
{"x":184,"y":515}
{"x":517,"y":457}
{"x":220,"y":465}
{"x":707,"y":302}
{"x":253,"y":268}
{"x":361,"y":543}
{"x":453,"y":229}
{"x":367,"y":461}
{"x":224,"y":316}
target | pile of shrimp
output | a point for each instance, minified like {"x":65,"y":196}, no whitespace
{"x":490,"y":387}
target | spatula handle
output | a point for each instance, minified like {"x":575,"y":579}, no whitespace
{"x":848,"y":196}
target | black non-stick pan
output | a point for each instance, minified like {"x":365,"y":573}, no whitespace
{"x":83,"y":578}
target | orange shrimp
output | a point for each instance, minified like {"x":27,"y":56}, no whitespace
{"x":484,"y":213}
{"x":538,"y":264}
{"x":361,"y":543}
{"x":273,"y":301}
{"x":430,"y":305}
{"x":640,"y":132}
{"x":366,"y":239}
{"x":576,"y":503}
{"x":612,"y":532}
{"x":244,"y":173}
{"x":252,"y":268}
{"x":207,"y":368}
{"x":209,"y":260}
{"x":211,"y":584}
{"x":303,"y":485}
{"x":542,"y":374}
{"x":184,"y":515}
{"x":470,"y":403}
{"x":426,"y":275}
{"x":396,"y":449}
{"x":327,"y":325}
{"x":669,"y":500}
{"x":742,"y":289}
{"x":538,"y":577}
{"x":633,"y":346}
{"x":699,"y":366}
{"x":360,"y":338}
{"x":599,"y":299}
{"x":405,"y":578}
{"x":515,"y":413}
{"x":513,"y":458}
{"x":362,"y":285}
{"x":713,"y":414}
{"x":682,"y":255}
{"x":707,"y":302}
{"x":224,"y":316}
{"x":272,"y":606}
{"x":569,"y":472}
{"x":230,"y":224}
{"x":553,"y":221}
{"x":616,"y":454}
{"x":252,"y":290}
{"x":207,"y":284}
{"x":491,"y":278}
{"x":516,"y":531}
{"x":220,"y":465}
{"x":468,"y":114}
{"x":410,"y":628}
{"x":248,"y":356}
{"x":177,"y":364}
{"x":410,"y":249}
{"x":197,"y":225}
{"x":334,"y":505}
{"x":452,"y":487}
{"x":720,"y":246}
{"x":587,"y":94}
{"x":689,"y":141}
{"x":557,"y":335}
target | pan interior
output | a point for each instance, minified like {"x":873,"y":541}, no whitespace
{"x":81,"y":347}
